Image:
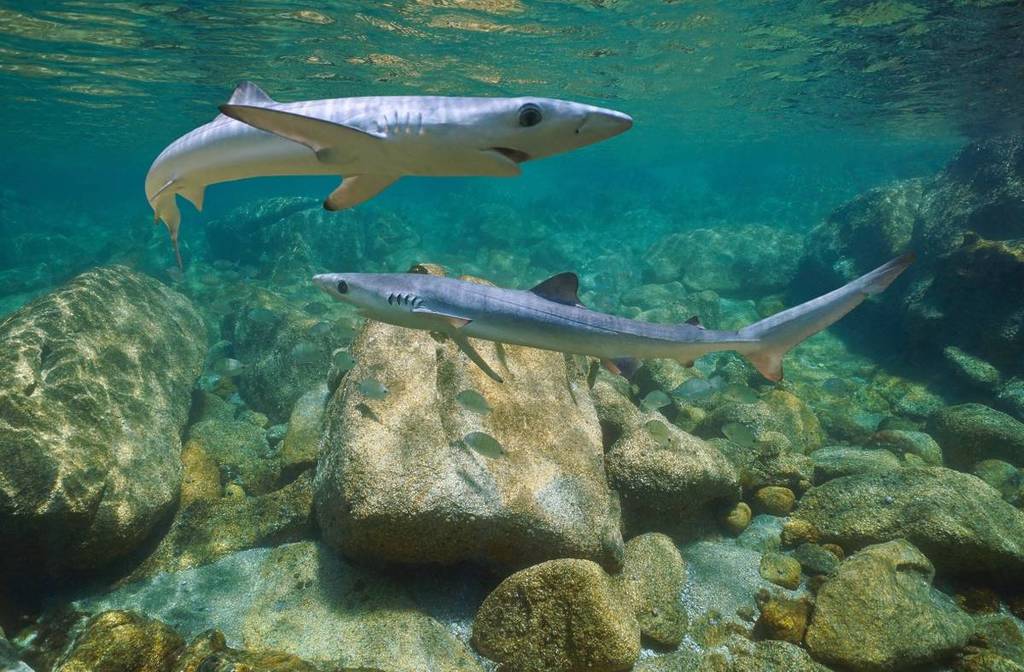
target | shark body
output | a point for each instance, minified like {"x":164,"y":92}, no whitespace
{"x":550,"y":316}
{"x":372,"y":141}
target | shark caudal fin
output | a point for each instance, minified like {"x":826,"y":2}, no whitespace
{"x":777,"y":334}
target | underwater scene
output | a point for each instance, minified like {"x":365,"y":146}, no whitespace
{"x":512,"y":335}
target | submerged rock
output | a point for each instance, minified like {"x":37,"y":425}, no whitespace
{"x":561,"y":615}
{"x":209,"y":652}
{"x":970,"y":433}
{"x":776,"y":412}
{"x":838,"y":461}
{"x":298,"y":599}
{"x":660,"y":475}
{"x":397,"y":479}
{"x":748,"y":261}
{"x":241,"y":452}
{"x":96,"y":391}
{"x":286,"y":353}
{"x":207,"y":529}
{"x":879,"y":613}
{"x":123,"y":641}
{"x":959,"y":522}
{"x":305,"y":425}
{"x":653,"y":574}
{"x":736,"y":654}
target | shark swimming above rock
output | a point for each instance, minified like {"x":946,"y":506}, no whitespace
{"x":550,"y":316}
{"x":372,"y":141}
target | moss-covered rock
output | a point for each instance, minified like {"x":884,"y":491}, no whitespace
{"x":971,"y":369}
{"x":561,"y":615}
{"x":652,"y":578}
{"x":879,"y":613}
{"x":903,"y":442}
{"x":738,"y":517}
{"x":660,"y":471}
{"x":815,"y":559}
{"x":96,"y":390}
{"x":969,"y":433}
{"x":123,"y":641}
{"x":409,"y":473}
{"x":1003,"y":477}
{"x":958,"y":521}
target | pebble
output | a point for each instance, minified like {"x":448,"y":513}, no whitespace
{"x":776,"y":500}
{"x":781,"y":570}
{"x":738,"y":519}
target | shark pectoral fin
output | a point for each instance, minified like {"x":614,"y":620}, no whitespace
{"x":333,"y":143}
{"x":356,"y":189}
{"x":495,"y":164}
{"x":467,"y":347}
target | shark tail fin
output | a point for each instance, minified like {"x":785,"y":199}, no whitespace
{"x":774,"y":336}
{"x":165,"y":207}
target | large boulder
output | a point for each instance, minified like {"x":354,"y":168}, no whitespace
{"x":960,"y":523}
{"x":967,"y":226}
{"x":970,"y":433}
{"x":879,"y":613}
{"x":661,"y":471}
{"x":558,"y":616}
{"x":652,"y":578}
{"x":427,"y":460}
{"x":302,"y":600}
{"x":96,"y":391}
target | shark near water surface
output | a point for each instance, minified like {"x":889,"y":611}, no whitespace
{"x":550,"y":316}
{"x":372,"y":141}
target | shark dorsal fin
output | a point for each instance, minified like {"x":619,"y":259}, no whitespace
{"x":561,"y":288}
{"x":247,"y":93}
{"x":695,"y":321}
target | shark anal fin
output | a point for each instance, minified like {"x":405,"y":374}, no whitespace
{"x":467,"y":347}
{"x":332,"y":142}
{"x":622,"y":366}
{"x":562,"y":288}
{"x":356,"y":189}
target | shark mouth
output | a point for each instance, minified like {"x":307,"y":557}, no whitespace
{"x":512,"y":154}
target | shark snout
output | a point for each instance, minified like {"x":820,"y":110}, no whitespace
{"x":602,"y":124}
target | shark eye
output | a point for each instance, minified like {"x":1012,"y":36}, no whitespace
{"x":342,"y":287}
{"x":529,"y":115}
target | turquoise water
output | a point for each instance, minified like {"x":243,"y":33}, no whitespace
{"x":171,"y":438}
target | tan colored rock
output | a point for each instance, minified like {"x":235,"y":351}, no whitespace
{"x":652,"y":578}
{"x":123,"y":641}
{"x":210,"y":653}
{"x":738,"y":518}
{"x":200,"y":476}
{"x":661,"y":471}
{"x":782,"y":618}
{"x":879,"y":613}
{"x":558,"y":616}
{"x":781,"y":570}
{"x":96,"y":389}
{"x":418,"y":477}
{"x":301,"y":443}
{"x":775,"y":500}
